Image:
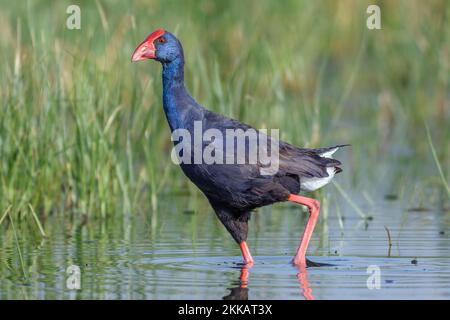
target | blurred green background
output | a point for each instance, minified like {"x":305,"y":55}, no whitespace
{"x":83,"y":134}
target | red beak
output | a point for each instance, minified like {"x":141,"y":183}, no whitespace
{"x":146,"y":50}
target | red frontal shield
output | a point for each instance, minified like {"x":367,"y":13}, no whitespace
{"x":146,"y":50}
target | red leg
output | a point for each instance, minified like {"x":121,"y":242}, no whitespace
{"x":248,"y":259}
{"x":314,"y":209}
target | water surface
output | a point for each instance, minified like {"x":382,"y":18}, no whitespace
{"x":181,"y":254}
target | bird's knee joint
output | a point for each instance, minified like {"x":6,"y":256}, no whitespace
{"x":315,"y":207}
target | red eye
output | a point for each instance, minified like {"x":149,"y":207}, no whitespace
{"x":162,"y":40}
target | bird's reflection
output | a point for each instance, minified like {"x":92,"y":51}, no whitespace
{"x":240,"y":292}
{"x":302,"y":277}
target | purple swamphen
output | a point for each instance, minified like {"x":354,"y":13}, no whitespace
{"x":234,"y":190}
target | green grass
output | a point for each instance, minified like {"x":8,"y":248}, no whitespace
{"x":436,"y":160}
{"x":82,"y":130}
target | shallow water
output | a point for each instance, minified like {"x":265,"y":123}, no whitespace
{"x":177,"y":255}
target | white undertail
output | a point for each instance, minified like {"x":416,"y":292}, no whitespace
{"x":312,"y":184}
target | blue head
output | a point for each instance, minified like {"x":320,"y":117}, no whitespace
{"x":165,"y":48}
{"x":160,"y":45}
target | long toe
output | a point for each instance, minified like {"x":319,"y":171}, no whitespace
{"x":310,"y":263}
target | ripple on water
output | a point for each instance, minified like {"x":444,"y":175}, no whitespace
{"x":175,"y":265}
{"x":275,"y":277}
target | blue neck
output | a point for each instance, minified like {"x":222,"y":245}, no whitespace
{"x":174,"y":92}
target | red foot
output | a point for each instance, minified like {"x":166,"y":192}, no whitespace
{"x":248,"y":259}
{"x":299,"y":261}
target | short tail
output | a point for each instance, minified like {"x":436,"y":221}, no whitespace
{"x":330,"y":165}
{"x":328,"y":152}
